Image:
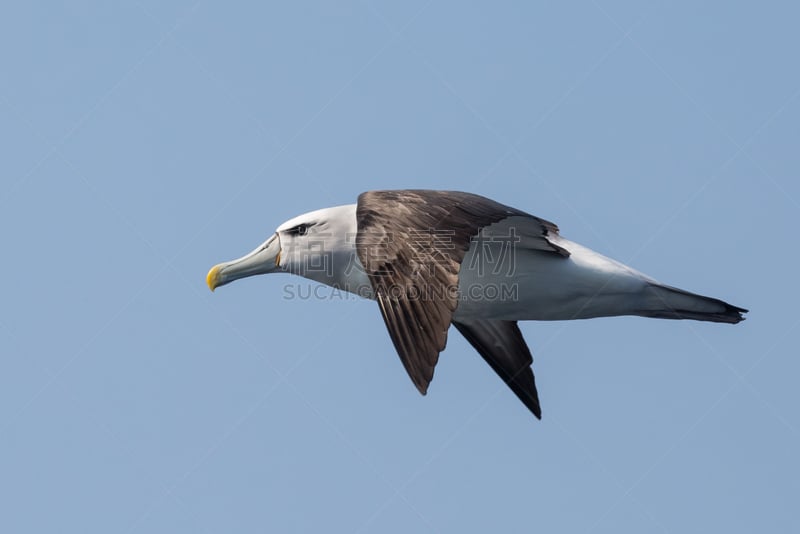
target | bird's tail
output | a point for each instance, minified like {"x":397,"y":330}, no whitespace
{"x":665,"y":302}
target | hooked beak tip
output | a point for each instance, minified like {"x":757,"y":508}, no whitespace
{"x":212,"y":278}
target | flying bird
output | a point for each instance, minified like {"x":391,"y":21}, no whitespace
{"x":435,"y":258}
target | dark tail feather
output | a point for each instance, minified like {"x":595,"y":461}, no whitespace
{"x":665,"y":302}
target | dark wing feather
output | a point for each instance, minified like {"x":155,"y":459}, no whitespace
{"x":411,"y":244}
{"x":502,"y":346}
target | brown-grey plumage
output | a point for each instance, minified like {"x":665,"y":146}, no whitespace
{"x":414,"y":269}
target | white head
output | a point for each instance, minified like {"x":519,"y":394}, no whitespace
{"x":319,"y":245}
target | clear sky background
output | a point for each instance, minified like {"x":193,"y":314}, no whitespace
{"x":144,"y":141}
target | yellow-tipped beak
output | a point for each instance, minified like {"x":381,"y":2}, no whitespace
{"x":264,"y":259}
{"x":212,"y":278}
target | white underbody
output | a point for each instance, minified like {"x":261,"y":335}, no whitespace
{"x":501,"y":279}
{"x":506,"y":275}
{"x":546,"y":286}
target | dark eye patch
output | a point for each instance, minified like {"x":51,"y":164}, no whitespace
{"x":300,"y":229}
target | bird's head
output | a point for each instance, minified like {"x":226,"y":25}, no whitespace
{"x":319,"y":245}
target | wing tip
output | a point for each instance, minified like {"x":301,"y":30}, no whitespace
{"x":535,"y":408}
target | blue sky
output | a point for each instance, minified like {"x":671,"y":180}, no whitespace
{"x":145,"y":141}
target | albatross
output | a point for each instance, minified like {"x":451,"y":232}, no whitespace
{"x":435,"y":258}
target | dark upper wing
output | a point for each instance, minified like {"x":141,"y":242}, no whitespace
{"x":502,"y":346}
{"x":411,"y":243}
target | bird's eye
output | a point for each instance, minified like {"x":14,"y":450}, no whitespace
{"x":300,"y":229}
